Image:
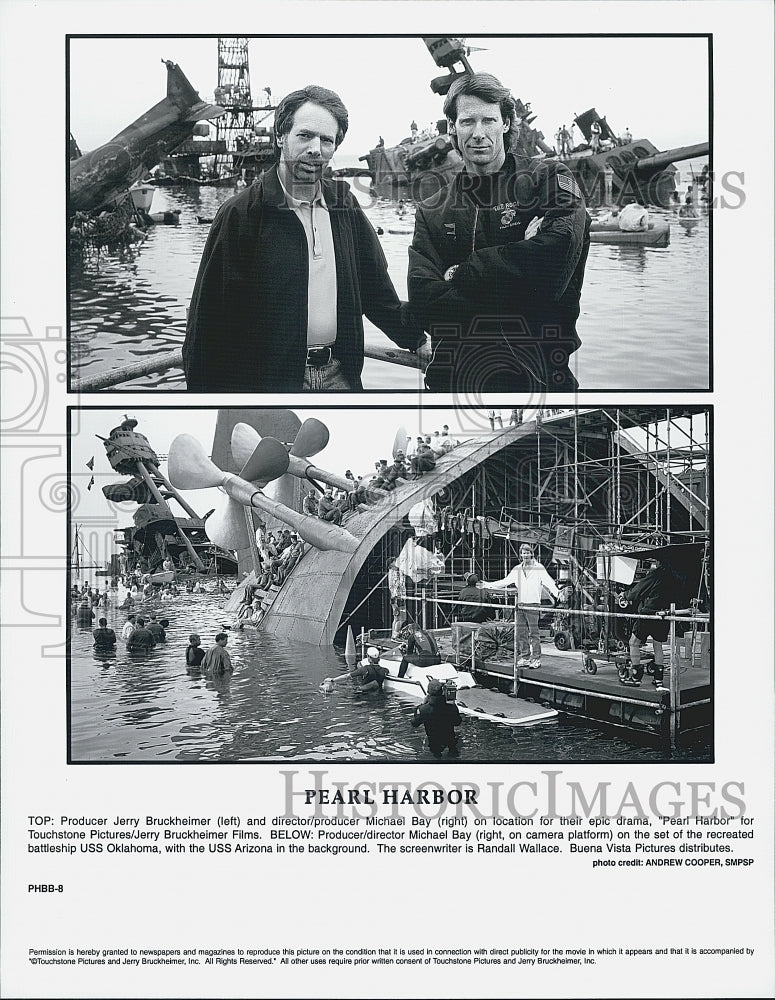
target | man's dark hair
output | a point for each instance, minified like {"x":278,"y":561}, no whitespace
{"x":471,"y":580}
{"x":221,"y":635}
{"x":487,"y":88}
{"x":290,"y":104}
{"x":103,"y":622}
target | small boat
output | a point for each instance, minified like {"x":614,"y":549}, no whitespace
{"x":687,"y":217}
{"x":163,"y":576}
{"x":471,"y":699}
{"x":142,"y":196}
{"x":657,"y":234}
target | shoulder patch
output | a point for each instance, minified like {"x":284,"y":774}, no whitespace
{"x":568,"y":184}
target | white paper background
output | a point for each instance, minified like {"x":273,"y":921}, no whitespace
{"x":185,"y":901}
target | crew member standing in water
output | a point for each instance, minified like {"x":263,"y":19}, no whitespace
{"x":439,"y":717}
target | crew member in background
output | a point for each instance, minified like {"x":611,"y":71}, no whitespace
{"x":531,"y":580}
{"x":310,"y":504}
{"x":129,"y":627}
{"x":472,"y":594}
{"x":290,"y":267}
{"x":217,"y":661}
{"x":594,"y":142}
{"x":328,"y":509}
{"x":397,"y":588}
{"x":141,"y":639}
{"x":654,"y":593}
{"x":496,"y":266}
{"x":85,"y":615}
{"x":194,"y":654}
{"x":104,"y":637}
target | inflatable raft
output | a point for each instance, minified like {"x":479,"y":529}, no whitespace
{"x":657,"y":234}
{"x":472,"y":700}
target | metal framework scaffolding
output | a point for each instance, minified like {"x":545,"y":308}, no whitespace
{"x":616,"y":479}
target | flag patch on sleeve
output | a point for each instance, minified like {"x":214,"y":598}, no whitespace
{"x":568,"y":184}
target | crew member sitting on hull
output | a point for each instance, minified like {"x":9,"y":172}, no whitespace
{"x":439,"y":717}
{"x":327,"y":508}
{"x":497,"y":262}
{"x":369,"y":676}
{"x":310,"y":504}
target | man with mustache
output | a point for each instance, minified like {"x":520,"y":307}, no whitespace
{"x":497,"y":263}
{"x":291,"y":266}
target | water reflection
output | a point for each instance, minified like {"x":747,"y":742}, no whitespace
{"x":132,"y":304}
{"x":145,"y":707}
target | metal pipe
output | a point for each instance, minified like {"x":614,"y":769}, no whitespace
{"x":162,"y":363}
{"x":377,"y":584}
{"x":515,"y":689}
{"x":181,"y":500}
{"x":147,"y":478}
{"x":675,"y":686}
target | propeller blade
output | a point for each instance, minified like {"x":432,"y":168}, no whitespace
{"x":227,"y":526}
{"x":189,"y":468}
{"x":268,"y":461}
{"x":244,"y":440}
{"x":311,"y":439}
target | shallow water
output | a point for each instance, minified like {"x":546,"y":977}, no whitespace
{"x":643,"y":323}
{"x":144,"y":707}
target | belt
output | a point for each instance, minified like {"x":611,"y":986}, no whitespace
{"x":319,"y":357}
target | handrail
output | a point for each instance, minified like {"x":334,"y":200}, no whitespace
{"x":174,"y":359}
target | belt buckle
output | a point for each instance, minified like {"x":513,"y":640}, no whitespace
{"x":319,"y":357}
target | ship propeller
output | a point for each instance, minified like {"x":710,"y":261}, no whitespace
{"x":190,"y":469}
{"x":267,"y":461}
{"x":227,"y":525}
{"x":311,"y":438}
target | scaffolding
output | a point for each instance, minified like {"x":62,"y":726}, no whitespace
{"x":574,"y":483}
{"x":239,"y":128}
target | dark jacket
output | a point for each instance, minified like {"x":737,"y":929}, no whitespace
{"x":104,"y":638}
{"x":439,"y":718}
{"x":507,"y":318}
{"x":141,"y":638}
{"x":473,"y":595}
{"x":157,"y":631}
{"x":247,"y":323}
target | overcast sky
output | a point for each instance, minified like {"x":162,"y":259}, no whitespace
{"x":656,"y":87}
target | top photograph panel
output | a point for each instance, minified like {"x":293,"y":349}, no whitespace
{"x":455,"y":215}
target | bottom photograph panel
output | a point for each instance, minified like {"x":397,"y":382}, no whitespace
{"x":364,"y":584}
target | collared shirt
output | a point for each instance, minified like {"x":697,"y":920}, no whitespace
{"x":321,"y":289}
